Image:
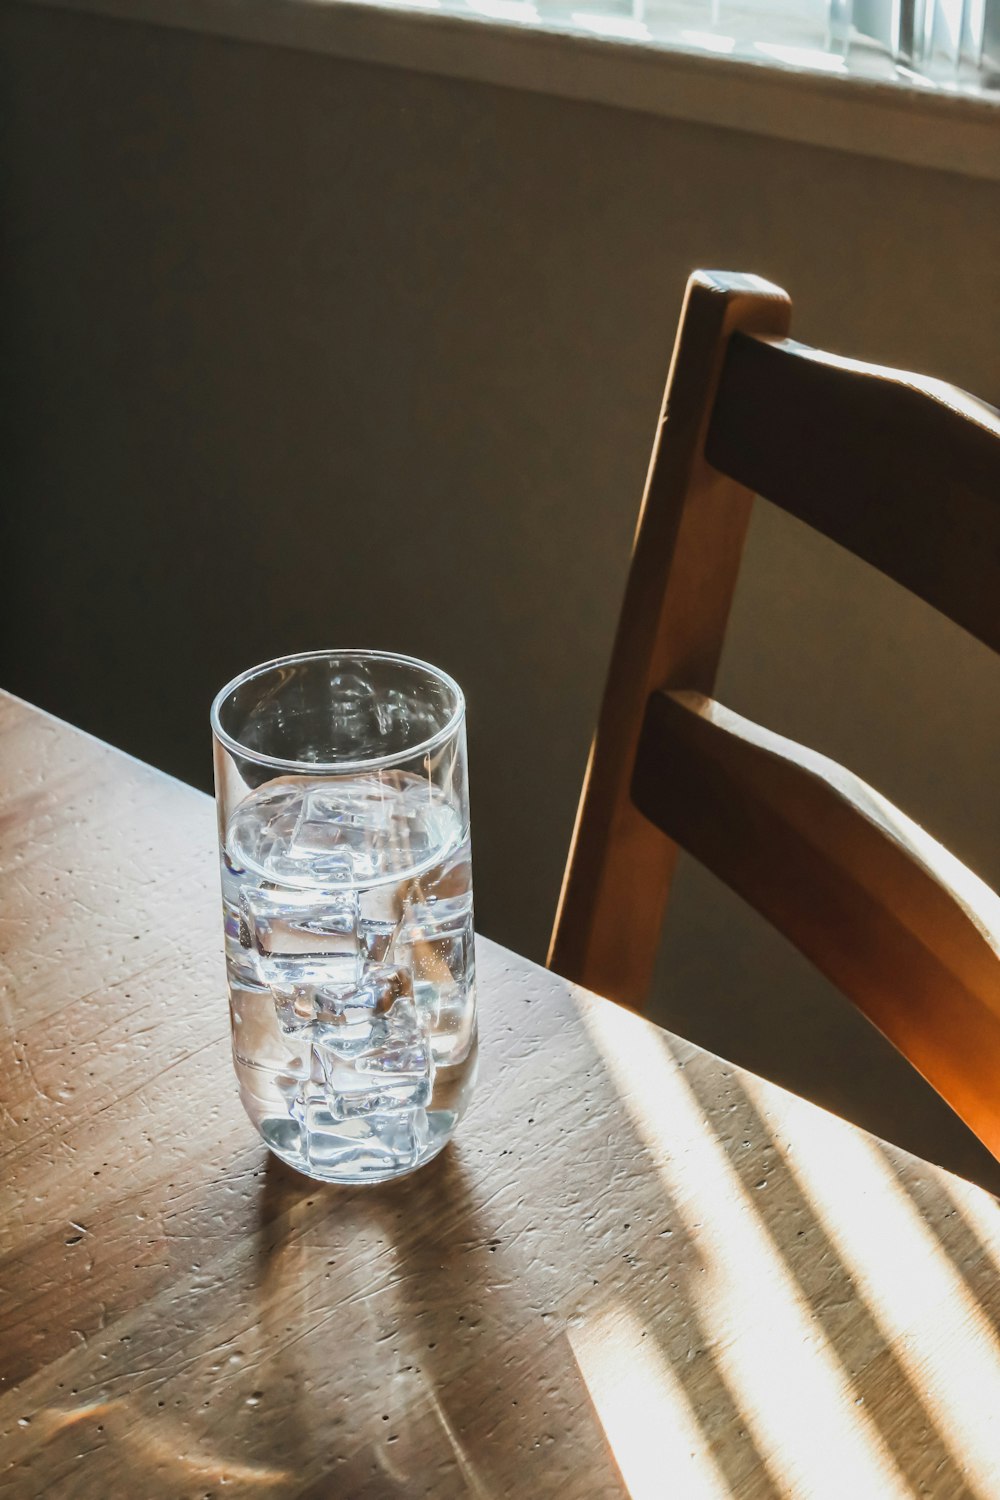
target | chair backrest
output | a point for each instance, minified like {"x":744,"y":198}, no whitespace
{"x":905,"y":473}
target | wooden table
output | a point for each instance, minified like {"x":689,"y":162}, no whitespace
{"x":637,"y":1271}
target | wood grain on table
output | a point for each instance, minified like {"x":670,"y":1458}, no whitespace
{"x":637,"y":1271}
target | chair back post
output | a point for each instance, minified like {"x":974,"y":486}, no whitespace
{"x":685,"y":559}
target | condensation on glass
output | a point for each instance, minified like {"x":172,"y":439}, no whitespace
{"x":343,"y":805}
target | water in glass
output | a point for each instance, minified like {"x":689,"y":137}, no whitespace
{"x":348,"y":905}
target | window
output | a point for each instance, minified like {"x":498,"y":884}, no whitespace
{"x":951,"y":45}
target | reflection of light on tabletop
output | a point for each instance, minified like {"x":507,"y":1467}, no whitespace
{"x":646,"y":1417}
{"x":916,"y":80}
{"x":468,"y":1470}
{"x":926,"y":1313}
{"x":626,"y":27}
{"x":802,"y":57}
{"x":711,"y":41}
{"x":505,"y":10}
{"x":165,"y":1452}
{"x":58,"y":1419}
{"x":781,"y":1370}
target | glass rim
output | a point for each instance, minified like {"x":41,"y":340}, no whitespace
{"x":320,"y":767}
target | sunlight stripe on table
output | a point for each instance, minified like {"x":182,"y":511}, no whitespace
{"x":919,"y":1300}
{"x":646,"y":1417}
{"x":782,"y":1373}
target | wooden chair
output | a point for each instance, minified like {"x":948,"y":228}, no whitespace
{"x":905,"y":473}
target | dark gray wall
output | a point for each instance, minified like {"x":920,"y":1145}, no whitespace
{"x":301,"y":351}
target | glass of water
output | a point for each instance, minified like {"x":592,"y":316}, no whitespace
{"x":343,"y":804}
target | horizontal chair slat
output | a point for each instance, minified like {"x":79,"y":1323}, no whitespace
{"x":896,"y":922}
{"x":901,"y":470}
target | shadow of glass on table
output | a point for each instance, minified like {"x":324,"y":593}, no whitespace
{"x":486,"y":1325}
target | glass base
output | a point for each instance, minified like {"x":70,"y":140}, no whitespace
{"x":333,"y":1137}
{"x":351,"y":1152}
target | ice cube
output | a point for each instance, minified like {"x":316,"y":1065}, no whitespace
{"x":403,"y":1134}
{"x":386,"y":983}
{"x":376,"y":936}
{"x":377,"y":1143}
{"x":392,"y":1071}
{"x":289,"y":1085}
{"x":343,"y":1035}
{"x":339,"y":1005}
{"x":259,"y":830}
{"x":330,"y":811}
{"x":441,"y":958}
{"x":437,"y":922}
{"x":301,"y":937}
{"x":282,"y":923}
{"x":376,"y":993}
{"x":335,"y":821}
{"x":342,"y":831}
{"x":294,"y":1005}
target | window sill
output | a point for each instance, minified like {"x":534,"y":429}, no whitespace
{"x":920,"y":125}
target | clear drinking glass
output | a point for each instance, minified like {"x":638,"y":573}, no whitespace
{"x":343,"y":804}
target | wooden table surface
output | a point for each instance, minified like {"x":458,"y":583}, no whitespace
{"x":637,"y":1271}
